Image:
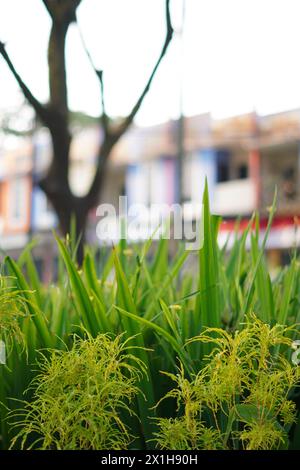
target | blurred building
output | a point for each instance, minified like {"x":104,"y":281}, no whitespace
{"x":243,"y":158}
{"x":15,"y":196}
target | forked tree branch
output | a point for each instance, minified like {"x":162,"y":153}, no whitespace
{"x":129,"y":119}
{"x":111,"y":138}
{"x":47,"y":4}
{"x":62,"y":10}
{"x":99,"y":74}
{"x":104,"y":117}
{"x":41,"y":111}
{"x":65,"y":11}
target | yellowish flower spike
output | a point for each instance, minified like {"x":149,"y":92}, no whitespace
{"x":81,"y":397}
{"x":244,"y":384}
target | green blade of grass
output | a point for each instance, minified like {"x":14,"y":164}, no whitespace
{"x":164,"y":285}
{"x":164,"y":334}
{"x":249,"y":294}
{"x":209,"y":302}
{"x":36,"y":315}
{"x":288,"y":288}
{"x":125,"y":302}
{"x":81,"y":296}
{"x":263,"y":284}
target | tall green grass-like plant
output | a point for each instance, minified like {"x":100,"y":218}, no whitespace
{"x":12,"y":316}
{"x":208,"y":307}
{"x":80,"y":397}
{"x":240,"y":399}
{"x":156,"y":296}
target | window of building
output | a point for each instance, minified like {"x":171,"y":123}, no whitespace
{"x":223,"y":162}
{"x":17,"y":195}
{"x":289,"y":183}
{"x":123,"y":189}
{"x":49,"y":207}
{"x":242,"y":172}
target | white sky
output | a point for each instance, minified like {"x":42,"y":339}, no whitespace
{"x":237,"y":55}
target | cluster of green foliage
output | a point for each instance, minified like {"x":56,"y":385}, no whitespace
{"x":11,"y":311}
{"x":79,"y":396}
{"x":157,"y":304}
{"x":240,"y":399}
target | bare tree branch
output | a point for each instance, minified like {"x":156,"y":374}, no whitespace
{"x":55,"y":115}
{"x":105,"y":148}
{"x":57,"y":68}
{"x":104,"y":118}
{"x":99,"y":73}
{"x":128,"y":120}
{"x":48,"y":7}
{"x":39,"y":108}
{"x":111,"y":138}
{"x":15,"y":132}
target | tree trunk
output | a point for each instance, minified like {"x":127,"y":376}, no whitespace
{"x":79,"y":214}
{"x":57,"y":188}
{"x":68,"y":209}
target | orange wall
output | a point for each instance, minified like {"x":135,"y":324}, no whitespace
{"x":23,"y":224}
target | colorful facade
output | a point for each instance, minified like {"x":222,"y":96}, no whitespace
{"x":15,"y":196}
{"x":243,"y":159}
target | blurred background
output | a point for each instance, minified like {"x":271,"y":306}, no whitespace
{"x":224,"y":104}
